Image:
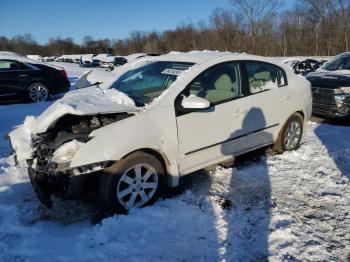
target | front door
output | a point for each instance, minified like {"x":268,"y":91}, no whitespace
{"x":264,"y":82}
{"x":214,"y":134}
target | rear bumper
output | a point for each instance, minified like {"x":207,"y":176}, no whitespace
{"x":59,"y":85}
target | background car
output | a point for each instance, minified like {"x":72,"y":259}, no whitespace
{"x":306,"y":66}
{"x":331,"y":88}
{"x":25,"y":79}
{"x":302,"y":65}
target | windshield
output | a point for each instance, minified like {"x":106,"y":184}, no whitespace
{"x":338,"y":63}
{"x":145,"y":83}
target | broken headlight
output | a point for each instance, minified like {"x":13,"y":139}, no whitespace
{"x":343,"y":90}
{"x":66,"y":152}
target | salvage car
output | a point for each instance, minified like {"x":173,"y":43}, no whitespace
{"x":331,"y":88}
{"x":22,"y":78}
{"x":306,"y":66}
{"x":303,"y":65}
{"x":162,"y":118}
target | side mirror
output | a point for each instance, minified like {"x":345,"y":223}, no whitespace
{"x":195,"y":102}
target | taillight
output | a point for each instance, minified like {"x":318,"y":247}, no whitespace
{"x":64,"y":74}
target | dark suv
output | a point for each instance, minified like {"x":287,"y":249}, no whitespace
{"x":331,"y":88}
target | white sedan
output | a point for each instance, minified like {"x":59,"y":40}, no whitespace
{"x":164,"y":117}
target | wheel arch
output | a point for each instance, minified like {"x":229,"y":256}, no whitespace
{"x":160,"y":156}
{"x":299,"y":113}
{"x":172,"y":176}
{"x":302,"y":114}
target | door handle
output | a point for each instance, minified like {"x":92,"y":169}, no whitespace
{"x":23,"y":75}
{"x":284,"y":98}
{"x":239,"y":113}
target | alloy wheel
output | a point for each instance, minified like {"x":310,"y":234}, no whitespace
{"x":137,"y":186}
{"x":292,"y":135}
{"x":38,"y":93}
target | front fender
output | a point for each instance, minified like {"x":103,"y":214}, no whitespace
{"x":154,"y":130}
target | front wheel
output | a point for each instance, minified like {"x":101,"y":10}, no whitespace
{"x":134,"y":181}
{"x":290,"y":135}
{"x":37,"y":92}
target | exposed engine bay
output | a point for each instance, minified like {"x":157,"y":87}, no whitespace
{"x":49,"y":167}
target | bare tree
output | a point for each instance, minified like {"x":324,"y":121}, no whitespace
{"x":255,"y":12}
{"x":312,"y":27}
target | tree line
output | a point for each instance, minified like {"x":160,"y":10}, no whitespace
{"x":262,"y":27}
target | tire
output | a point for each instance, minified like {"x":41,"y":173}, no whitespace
{"x":37,"y":92}
{"x":290,"y":135}
{"x":120,"y":187}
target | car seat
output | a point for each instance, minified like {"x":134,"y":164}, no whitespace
{"x":224,"y":88}
{"x":13,"y":66}
{"x":258,"y":80}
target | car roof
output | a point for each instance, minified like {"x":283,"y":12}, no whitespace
{"x":201,"y":57}
{"x":192,"y":56}
{"x":17,"y":58}
{"x":27,"y":60}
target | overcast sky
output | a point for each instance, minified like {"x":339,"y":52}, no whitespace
{"x":99,"y":18}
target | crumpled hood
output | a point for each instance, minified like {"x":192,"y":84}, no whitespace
{"x":88,"y":101}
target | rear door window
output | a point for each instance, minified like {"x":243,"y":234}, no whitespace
{"x":264,"y":76}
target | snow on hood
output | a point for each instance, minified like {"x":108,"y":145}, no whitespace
{"x":87,"y":101}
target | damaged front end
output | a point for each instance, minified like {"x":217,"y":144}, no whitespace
{"x":49,"y":168}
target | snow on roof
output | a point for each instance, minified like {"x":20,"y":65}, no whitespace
{"x":102,"y":55}
{"x":18,"y":58}
{"x":34,"y":57}
{"x":27,"y":60}
{"x":7,"y":53}
{"x":132,"y":57}
{"x":199,"y":57}
{"x":193,"y":56}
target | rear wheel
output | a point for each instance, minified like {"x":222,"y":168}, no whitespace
{"x":37,"y":92}
{"x":134,"y":181}
{"x":290,"y":135}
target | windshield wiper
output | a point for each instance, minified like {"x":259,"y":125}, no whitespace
{"x":97,"y":84}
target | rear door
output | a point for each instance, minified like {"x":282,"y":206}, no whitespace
{"x":264,"y":82}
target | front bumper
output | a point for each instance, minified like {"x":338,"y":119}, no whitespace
{"x":327,"y":103}
{"x":41,"y":192}
{"x":65,"y":184}
{"x":331,"y":111}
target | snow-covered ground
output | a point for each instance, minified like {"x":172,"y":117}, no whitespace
{"x":289,"y":207}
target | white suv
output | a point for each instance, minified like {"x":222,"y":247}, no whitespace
{"x":164,"y":117}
